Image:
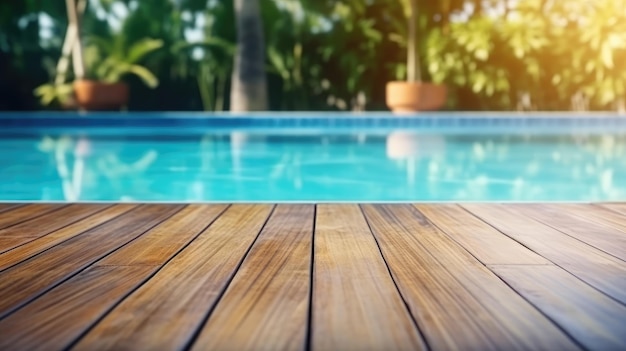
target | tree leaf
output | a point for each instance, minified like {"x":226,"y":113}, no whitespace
{"x":607,"y":55}
{"x":482,"y":54}
{"x":142,"y":48}
{"x":146,"y":76}
{"x":278,"y":62}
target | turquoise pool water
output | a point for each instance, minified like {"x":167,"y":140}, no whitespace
{"x":97,"y":160}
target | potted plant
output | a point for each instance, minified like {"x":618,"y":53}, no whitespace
{"x":106,"y":62}
{"x":413,"y":94}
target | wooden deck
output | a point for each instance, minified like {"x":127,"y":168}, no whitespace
{"x":313,"y":277}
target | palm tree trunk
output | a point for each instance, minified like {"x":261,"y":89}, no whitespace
{"x":414,"y":73}
{"x":249,"y":86}
{"x":74,"y":18}
{"x":69,"y":44}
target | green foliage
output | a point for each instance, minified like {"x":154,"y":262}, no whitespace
{"x":51,"y":93}
{"x":321,"y":54}
{"x":550,"y":52}
{"x":109,"y":60}
{"x":598,"y":36}
{"x":478,"y":56}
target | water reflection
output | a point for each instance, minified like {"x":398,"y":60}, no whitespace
{"x":412,"y":148}
{"x":411,"y":145}
{"x":71,"y":182}
{"x":99,"y":171}
{"x":400,"y":166}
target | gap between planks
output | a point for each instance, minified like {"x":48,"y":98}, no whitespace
{"x":496,"y":262}
{"x":603,"y":271}
{"x":25,"y":232}
{"x":32,"y":328}
{"x":447,"y":288}
{"x":185,"y":288}
{"x":26,"y":281}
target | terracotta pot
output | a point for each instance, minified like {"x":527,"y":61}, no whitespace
{"x":415,"y":96}
{"x":94,"y":95}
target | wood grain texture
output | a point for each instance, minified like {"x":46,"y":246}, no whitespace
{"x":457,"y":302}
{"x":8,"y":206}
{"x":108,"y":282}
{"x":356,"y":305}
{"x":25,"y":281}
{"x":55,"y":320}
{"x":155,"y":277}
{"x":8,"y":243}
{"x":596,"y":321}
{"x":23,"y":252}
{"x":483,"y":241}
{"x":24,"y":213}
{"x":595,"y":233}
{"x":164,"y":240}
{"x":615,"y":207}
{"x":266,"y":305}
{"x":49,"y":222}
{"x":597,"y":268}
{"x":596,"y":214}
{"x":165,"y":312}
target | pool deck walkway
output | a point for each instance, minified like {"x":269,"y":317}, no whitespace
{"x":313,"y":277}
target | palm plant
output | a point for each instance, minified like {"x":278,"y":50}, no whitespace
{"x":60,"y":90}
{"x":413,"y":94}
{"x":106,"y":62}
{"x":109,"y":60}
{"x":50,"y":93}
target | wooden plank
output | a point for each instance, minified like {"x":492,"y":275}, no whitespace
{"x":597,"y":268}
{"x":73,"y":305}
{"x":184,"y":290}
{"x":597,"y":234}
{"x":268,"y":300}
{"x":484,"y":242}
{"x":596,"y":214}
{"x":457,"y":302}
{"x":164,"y":240}
{"x":60,"y":316}
{"x":616,"y":207}
{"x":356,"y":305}
{"x":24,"y":213}
{"x":590,"y":317}
{"x":8,"y":206}
{"x":23,"y":252}
{"x":29,"y":279}
{"x":7,"y":243}
{"x":37,"y":227}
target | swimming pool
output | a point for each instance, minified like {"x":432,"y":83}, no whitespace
{"x":273,"y":157}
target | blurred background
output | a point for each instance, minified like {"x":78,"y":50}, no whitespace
{"x":322,"y":55}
